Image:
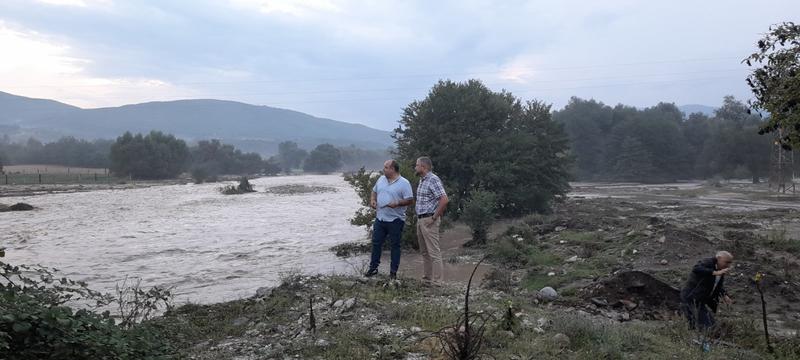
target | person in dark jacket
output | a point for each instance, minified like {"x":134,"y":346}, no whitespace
{"x":704,"y":289}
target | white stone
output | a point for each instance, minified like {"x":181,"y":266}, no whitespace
{"x":547,"y":293}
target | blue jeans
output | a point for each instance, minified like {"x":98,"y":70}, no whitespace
{"x":381,"y":229}
{"x":699,"y":315}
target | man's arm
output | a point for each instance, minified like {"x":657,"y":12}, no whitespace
{"x":404,"y":202}
{"x":438,"y":190}
{"x":373,"y":200}
{"x":408,"y":197}
{"x":704,"y":267}
{"x":440,"y":208}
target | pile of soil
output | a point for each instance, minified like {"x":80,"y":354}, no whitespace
{"x":636,"y":292}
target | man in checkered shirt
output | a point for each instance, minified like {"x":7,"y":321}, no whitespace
{"x":430,"y":205}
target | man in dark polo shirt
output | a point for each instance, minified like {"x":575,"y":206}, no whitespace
{"x":390,"y":197}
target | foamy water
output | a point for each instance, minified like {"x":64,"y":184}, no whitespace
{"x":209,"y":247}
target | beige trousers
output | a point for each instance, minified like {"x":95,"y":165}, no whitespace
{"x":428,"y":238}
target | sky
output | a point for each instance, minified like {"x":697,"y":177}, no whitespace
{"x":363,"y":61}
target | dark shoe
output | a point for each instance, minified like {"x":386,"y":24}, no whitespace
{"x":393,"y":276}
{"x":371,"y":273}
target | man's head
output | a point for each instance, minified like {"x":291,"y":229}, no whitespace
{"x":391,"y":168}
{"x":724,"y":259}
{"x":424,"y":166}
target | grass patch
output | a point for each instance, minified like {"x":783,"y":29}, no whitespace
{"x":538,"y":278}
{"x":580,"y":237}
{"x":778,"y":239}
{"x":426,"y":315}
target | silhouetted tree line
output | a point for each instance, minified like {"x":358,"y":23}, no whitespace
{"x":157,"y":155}
{"x":67,"y":151}
{"x":326,"y":158}
{"x":659,"y":143}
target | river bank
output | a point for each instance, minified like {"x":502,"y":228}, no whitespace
{"x":592,"y":250}
{"x":585,"y":250}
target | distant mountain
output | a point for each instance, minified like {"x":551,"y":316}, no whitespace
{"x":254,"y":128}
{"x":15,"y":108}
{"x":695,"y":108}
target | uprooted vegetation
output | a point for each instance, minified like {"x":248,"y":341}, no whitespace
{"x":297,"y":189}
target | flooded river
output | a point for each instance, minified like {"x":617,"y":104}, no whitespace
{"x":209,"y":247}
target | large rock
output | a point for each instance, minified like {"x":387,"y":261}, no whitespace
{"x":344,"y":305}
{"x":548,"y":294}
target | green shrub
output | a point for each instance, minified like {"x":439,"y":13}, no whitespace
{"x":36,"y":323}
{"x":479,"y":214}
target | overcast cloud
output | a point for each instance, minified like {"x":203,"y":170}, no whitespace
{"x":362,"y":61}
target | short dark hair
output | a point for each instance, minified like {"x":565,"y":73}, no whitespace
{"x":426,"y":161}
{"x":395,"y":165}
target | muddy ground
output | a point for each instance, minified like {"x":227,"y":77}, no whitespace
{"x":617,"y":254}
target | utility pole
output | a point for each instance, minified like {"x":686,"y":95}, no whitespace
{"x":781,"y":167}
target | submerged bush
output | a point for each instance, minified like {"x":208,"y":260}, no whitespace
{"x":243,"y":187}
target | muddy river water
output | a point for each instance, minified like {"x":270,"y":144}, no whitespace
{"x":209,"y":247}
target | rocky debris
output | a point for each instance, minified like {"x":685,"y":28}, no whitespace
{"x":738,"y":225}
{"x":561,"y":340}
{"x":629,"y":305}
{"x":675,"y":234}
{"x":322,"y":343}
{"x":599,"y":302}
{"x":543,"y":323}
{"x":740,"y":236}
{"x":572,"y":259}
{"x":636,"y":290}
{"x":16,"y":207}
{"x":344,"y":305}
{"x":548,"y":294}
{"x":264,"y":292}
{"x":664,"y":262}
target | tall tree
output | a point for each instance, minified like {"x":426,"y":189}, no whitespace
{"x":152,"y":156}
{"x":776,"y":81}
{"x":491,"y":140}
{"x":290,"y":155}
{"x":633,"y":161}
{"x":585,"y":121}
{"x":325,"y":158}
